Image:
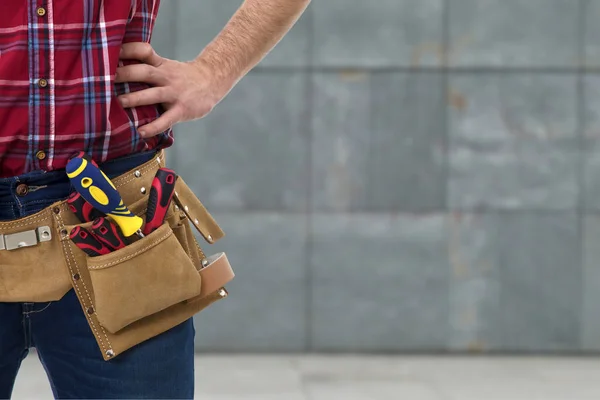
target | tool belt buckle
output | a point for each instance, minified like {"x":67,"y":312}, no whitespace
{"x":32,"y":237}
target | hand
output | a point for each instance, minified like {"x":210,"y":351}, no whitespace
{"x":187,"y":90}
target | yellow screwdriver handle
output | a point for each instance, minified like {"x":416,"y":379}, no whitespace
{"x":95,"y":187}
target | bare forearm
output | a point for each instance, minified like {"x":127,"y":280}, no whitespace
{"x":253,"y":31}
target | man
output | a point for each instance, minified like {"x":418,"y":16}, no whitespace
{"x":80,"y":75}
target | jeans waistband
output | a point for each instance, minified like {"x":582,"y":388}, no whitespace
{"x":111,"y":168}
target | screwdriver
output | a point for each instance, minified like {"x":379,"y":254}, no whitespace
{"x":161,"y":193}
{"x":82,"y":209}
{"x":87,"y":242}
{"x":83,"y":154}
{"x":108,"y":234}
{"x":95,"y":187}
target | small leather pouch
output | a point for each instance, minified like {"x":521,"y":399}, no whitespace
{"x":141,"y":279}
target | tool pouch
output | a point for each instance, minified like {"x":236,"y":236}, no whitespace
{"x":142,"y":279}
{"x":154,"y":272}
{"x":154,"y":283}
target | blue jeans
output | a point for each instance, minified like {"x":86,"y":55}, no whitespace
{"x":162,"y":367}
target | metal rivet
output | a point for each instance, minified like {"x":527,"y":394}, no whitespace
{"x":210,"y":239}
{"x":143,"y":190}
{"x":110,"y":353}
{"x":176,"y":194}
{"x":76,"y":277}
{"x":22,"y":189}
{"x":186,"y":208}
{"x":158,"y":159}
{"x":204,"y":262}
{"x":90,"y":310}
{"x":63,"y":232}
{"x":56,"y":210}
{"x":176,"y":207}
{"x":196,"y":221}
{"x":137,"y":174}
{"x":223,"y":293}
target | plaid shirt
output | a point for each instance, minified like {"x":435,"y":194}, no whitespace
{"x":58,"y":60}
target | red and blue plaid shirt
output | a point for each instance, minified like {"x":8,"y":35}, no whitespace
{"x":58,"y":60}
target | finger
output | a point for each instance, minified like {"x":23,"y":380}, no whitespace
{"x":161,"y":124}
{"x":140,"y":73}
{"x":140,"y":51}
{"x":150,"y":96}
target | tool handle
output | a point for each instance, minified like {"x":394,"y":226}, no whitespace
{"x":108,"y":234}
{"x":87,"y":242}
{"x":161,"y":193}
{"x":99,"y":191}
{"x":82,"y":209}
{"x":83,"y":154}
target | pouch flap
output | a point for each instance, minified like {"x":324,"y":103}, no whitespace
{"x":196,"y":212}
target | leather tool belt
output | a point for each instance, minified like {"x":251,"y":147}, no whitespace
{"x":131,"y":294}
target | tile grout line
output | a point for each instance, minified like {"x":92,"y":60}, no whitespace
{"x":173,"y":28}
{"x":335,"y":69}
{"x":309,"y":98}
{"x":580,"y":128}
{"x":446,"y":159}
{"x":445,"y":94}
{"x":394,"y":212}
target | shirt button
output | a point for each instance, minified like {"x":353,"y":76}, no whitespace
{"x":42,"y":83}
{"x":22,"y":189}
{"x":41,"y":11}
{"x":40,"y":155}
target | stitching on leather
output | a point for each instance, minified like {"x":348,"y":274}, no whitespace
{"x":206,"y":226}
{"x":61,"y":225}
{"x":125,"y":179}
{"x":89,"y":318}
{"x":23,"y":223}
{"x":199,"y":249}
{"x":204,"y":229}
{"x":142,"y":170}
{"x":191,"y":218}
{"x":130,"y":256}
{"x":91,"y":304}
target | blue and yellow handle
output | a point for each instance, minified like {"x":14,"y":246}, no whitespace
{"x":99,"y":191}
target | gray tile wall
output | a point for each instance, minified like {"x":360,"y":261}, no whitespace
{"x":404,"y":175}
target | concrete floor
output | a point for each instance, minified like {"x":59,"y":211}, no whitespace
{"x":244,"y":377}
